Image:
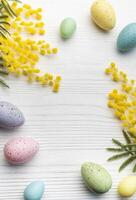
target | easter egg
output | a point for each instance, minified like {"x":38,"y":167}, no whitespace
{"x":103,"y":15}
{"x":127,"y":38}
{"x":127,"y":186}
{"x":34,"y":191}
{"x":96,"y":177}
{"x":10,"y":116}
{"x":67,"y":28}
{"x":19,"y":150}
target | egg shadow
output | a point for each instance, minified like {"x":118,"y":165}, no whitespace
{"x":5,"y":132}
{"x":125,"y":52}
{"x":18,"y":167}
{"x":8,"y":132}
{"x":123,"y":198}
{"x":92,"y":193}
{"x":62,"y":39}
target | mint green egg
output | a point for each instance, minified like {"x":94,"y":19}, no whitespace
{"x":34,"y":191}
{"x":96,"y":177}
{"x":67,"y":28}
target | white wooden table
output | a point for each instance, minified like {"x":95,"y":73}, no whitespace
{"x":74,"y":125}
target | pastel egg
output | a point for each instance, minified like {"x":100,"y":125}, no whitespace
{"x":67,"y":28}
{"x":103,"y":14}
{"x":19,"y":150}
{"x":10,"y":116}
{"x":96,"y":178}
{"x":127,"y":186}
{"x":127,"y":38}
{"x":34,"y":191}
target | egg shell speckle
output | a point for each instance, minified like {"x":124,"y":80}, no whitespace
{"x":19,"y":150}
{"x":96,"y":177}
{"x":10,"y":116}
{"x":34,"y":191}
{"x":127,"y":38}
{"x":103,"y":14}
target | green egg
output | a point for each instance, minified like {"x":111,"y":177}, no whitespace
{"x":96,"y":177}
{"x":67,"y":28}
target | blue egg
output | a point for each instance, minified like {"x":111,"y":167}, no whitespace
{"x":127,"y":38}
{"x":34,"y":191}
{"x":10,"y":116}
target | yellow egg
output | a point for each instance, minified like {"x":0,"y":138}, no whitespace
{"x":127,"y":186}
{"x":103,"y":14}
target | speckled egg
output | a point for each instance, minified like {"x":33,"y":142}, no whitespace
{"x":127,"y":38}
{"x":34,"y":191}
{"x":96,"y":177}
{"x":103,"y":14}
{"x":19,"y":150}
{"x":10,"y":116}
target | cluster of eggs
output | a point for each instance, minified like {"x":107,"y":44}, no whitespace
{"x":103,"y":15}
{"x":97,"y":179}
{"x":19,"y":150}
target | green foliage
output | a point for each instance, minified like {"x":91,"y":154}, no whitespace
{"x":128,"y":150}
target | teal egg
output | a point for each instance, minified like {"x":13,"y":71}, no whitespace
{"x":67,"y":28}
{"x":127,"y":38}
{"x":34,"y":191}
{"x":96,"y":177}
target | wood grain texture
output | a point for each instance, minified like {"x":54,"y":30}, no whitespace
{"x":74,"y":125}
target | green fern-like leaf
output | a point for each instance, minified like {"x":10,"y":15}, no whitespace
{"x":16,"y":1}
{"x":4,"y":5}
{"x":4,"y":30}
{"x":118,"y":156}
{"x":4,"y":22}
{"x":131,"y":135}
{"x":117,"y":143}
{"x":115,"y":149}
{"x":130,"y":145}
{"x":134,"y":168}
{"x":3,"y":17}
{"x":127,"y":138}
{"x":3,"y":83}
{"x":128,"y":150}
{"x":126,"y":163}
{"x":7,"y":8}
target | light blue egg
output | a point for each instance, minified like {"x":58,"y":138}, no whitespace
{"x":34,"y":191}
{"x":127,"y":38}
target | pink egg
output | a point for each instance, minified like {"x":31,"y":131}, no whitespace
{"x":19,"y":150}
